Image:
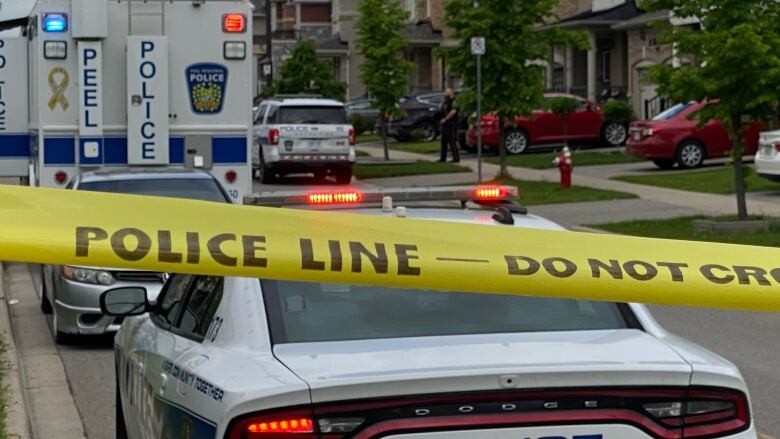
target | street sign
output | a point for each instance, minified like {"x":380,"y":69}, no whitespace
{"x":478,"y":46}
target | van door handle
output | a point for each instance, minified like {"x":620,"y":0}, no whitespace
{"x":192,"y":151}
{"x":163,"y":383}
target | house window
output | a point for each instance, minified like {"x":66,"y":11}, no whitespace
{"x":606,"y":66}
{"x":316,"y":13}
{"x":409,"y":5}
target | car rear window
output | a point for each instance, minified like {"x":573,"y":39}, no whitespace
{"x":195,"y":189}
{"x":301,"y":312}
{"x":673,"y":111}
{"x":312,"y":116}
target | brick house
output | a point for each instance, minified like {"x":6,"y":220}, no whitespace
{"x":624,"y":44}
{"x":331,"y":24}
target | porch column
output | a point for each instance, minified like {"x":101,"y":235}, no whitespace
{"x":550,"y":62}
{"x":592,"y":67}
{"x":569,"y":68}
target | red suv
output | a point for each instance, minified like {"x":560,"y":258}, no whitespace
{"x":544,"y":127}
{"x":673,"y":137}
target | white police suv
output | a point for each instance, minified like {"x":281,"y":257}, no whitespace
{"x":302,"y":135}
{"x":239,"y":358}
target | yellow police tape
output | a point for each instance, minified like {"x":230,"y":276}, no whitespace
{"x":106,"y":230}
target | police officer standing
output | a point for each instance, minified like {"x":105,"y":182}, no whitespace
{"x":449,"y":126}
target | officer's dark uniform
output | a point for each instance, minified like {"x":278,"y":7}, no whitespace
{"x":449,"y":130}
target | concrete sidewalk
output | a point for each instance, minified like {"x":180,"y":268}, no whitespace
{"x":51,"y":410}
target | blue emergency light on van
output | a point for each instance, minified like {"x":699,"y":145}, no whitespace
{"x":55,"y":22}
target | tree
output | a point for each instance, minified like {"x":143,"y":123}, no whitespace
{"x":513,"y":81}
{"x":304,"y":73}
{"x":384,"y":70}
{"x":737,"y":67}
{"x":563,"y":107}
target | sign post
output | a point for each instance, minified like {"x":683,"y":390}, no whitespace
{"x":478,"y":49}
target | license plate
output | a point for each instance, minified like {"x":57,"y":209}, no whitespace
{"x":767,"y":150}
{"x":637,"y":135}
{"x":313,"y":143}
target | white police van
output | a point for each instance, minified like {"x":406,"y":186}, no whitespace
{"x":303,"y":135}
{"x":96,"y":84}
{"x":247,"y":358}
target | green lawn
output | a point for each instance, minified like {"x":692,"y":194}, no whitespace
{"x":418,"y":147}
{"x":682,"y":228}
{"x":542,"y":192}
{"x":715,"y":181}
{"x":368,"y":138}
{"x":580,"y":158}
{"x":361,"y":153}
{"x":422,"y":167}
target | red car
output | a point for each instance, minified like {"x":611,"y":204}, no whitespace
{"x":673,"y":137}
{"x":544,"y":127}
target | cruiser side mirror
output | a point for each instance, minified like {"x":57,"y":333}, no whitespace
{"x":125,"y":302}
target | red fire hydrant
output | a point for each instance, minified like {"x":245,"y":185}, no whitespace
{"x":565,"y":166}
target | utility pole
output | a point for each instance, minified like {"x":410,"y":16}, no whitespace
{"x":268,"y":68}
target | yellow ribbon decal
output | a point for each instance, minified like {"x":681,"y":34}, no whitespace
{"x":54,"y":226}
{"x":58,"y":88}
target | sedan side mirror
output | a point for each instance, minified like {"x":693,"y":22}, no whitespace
{"x":125,"y":302}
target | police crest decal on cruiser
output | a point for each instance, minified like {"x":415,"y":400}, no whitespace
{"x":207,"y":83}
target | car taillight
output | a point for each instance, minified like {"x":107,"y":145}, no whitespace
{"x":323,"y":198}
{"x":233,"y":23}
{"x":352,"y":139}
{"x":703,"y":413}
{"x":230,"y":176}
{"x":292,"y":424}
{"x":273,"y":136}
{"x":61,"y":177}
{"x":777,"y":147}
{"x":650,"y":132}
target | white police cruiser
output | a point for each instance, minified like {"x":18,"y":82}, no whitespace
{"x":237,"y":358}
{"x":303,"y":135}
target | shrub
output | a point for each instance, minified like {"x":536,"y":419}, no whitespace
{"x":562,"y":106}
{"x":618,"y":111}
{"x":361,"y":124}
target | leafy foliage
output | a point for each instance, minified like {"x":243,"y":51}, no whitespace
{"x":512,"y":83}
{"x":381,"y":42}
{"x":304,"y":73}
{"x":736,"y":49}
{"x":562,"y":106}
{"x":617,"y":111}
{"x":361,"y":124}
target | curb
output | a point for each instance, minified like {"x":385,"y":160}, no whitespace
{"x":17,"y":420}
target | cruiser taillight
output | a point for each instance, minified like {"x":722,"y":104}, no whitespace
{"x":233,"y":23}
{"x":292,"y":424}
{"x":352,"y":136}
{"x":703,"y":413}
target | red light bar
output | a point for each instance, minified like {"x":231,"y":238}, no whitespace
{"x":233,"y":23}
{"x":487,"y":194}
{"x":301,"y":425}
{"x":321,"y":198}
{"x":490,"y":193}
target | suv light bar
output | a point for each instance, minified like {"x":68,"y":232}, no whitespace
{"x":487,"y":194}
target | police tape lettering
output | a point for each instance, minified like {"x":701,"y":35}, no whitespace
{"x":83,"y":228}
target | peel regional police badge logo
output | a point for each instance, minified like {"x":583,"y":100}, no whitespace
{"x":207,"y":84}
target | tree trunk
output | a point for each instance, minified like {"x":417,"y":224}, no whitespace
{"x":503,"y":173}
{"x":739,"y":170}
{"x":384,"y":139}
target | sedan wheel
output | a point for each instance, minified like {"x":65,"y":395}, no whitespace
{"x":615,"y":134}
{"x":427,"y":131}
{"x":690,"y":155}
{"x":516,"y":141}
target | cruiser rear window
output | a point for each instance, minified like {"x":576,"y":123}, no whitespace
{"x":302,"y":312}
{"x":194,"y":189}
{"x":312,"y":116}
